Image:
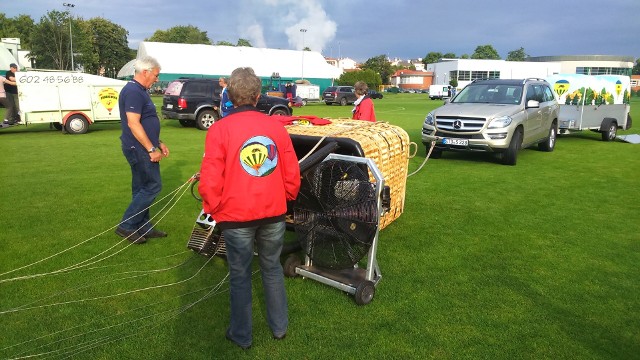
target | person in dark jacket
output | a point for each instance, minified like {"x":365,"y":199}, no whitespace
{"x":249,"y":171}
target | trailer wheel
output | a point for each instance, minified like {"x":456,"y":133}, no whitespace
{"x":76,"y":124}
{"x":290,"y":265}
{"x":611,"y":132}
{"x":206,"y":118}
{"x":510,"y":156}
{"x":550,"y":142}
{"x":364,"y":292}
{"x":57,"y":126}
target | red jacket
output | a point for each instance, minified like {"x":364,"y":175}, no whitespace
{"x":249,"y":170}
{"x":364,"y":110}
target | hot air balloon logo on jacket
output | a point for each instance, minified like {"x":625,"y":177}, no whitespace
{"x":259,"y":156}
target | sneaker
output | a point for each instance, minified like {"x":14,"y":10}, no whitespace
{"x":130,"y":235}
{"x":154,"y":233}
{"x":280,"y":337}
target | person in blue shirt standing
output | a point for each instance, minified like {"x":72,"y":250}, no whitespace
{"x":225,"y":104}
{"x":143,"y":149}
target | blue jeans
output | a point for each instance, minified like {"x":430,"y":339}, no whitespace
{"x":146,"y":184}
{"x":239,"y":244}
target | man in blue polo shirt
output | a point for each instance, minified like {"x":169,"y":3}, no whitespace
{"x":143,"y":149}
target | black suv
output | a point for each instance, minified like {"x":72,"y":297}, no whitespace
{"x":191,"y":101}
{"x":342,"y":95}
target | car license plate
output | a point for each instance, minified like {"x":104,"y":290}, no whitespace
{"x":460,"y":142}
{"x":169,"y":106}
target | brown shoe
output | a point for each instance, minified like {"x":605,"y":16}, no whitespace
{"x":154,"y":233}
{"x":131,"y":235}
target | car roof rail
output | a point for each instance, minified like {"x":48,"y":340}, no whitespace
{"x":533,"y":79}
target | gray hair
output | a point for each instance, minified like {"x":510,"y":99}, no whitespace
{"x":146,"y":63}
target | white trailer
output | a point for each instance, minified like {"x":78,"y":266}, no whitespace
{"x":307,"y":92}
{"x":598,"y":103}
{"x":71,"y":101}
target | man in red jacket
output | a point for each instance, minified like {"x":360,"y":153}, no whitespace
{"x":248,"y":173}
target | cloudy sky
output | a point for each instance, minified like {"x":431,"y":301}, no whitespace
{"x":361,"y":29}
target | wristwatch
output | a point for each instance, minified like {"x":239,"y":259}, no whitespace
{"x":153,"y":149}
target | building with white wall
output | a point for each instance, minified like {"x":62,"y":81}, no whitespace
{"x":467,"y":70}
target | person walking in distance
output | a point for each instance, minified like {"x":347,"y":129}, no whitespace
{"x":249,"y":171}
{"x":143,"y":149}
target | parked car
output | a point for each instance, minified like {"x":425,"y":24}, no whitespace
{"x":191,"y":101}
{"x":342,"y":95}
{"x":500,"y":116}
{"x":375,"y":95}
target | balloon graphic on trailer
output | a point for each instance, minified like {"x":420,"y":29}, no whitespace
{"x":108,"y":98}
{"x":561,"y":87}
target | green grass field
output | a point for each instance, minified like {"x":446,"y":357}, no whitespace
{"x":534,"y":261}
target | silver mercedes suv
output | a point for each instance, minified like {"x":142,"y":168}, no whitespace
{"x":499,"y":115}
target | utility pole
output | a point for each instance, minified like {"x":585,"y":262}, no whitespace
{"x":69,"y":6}
{"x":303,"y":31}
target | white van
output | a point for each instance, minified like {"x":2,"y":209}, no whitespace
{"x":438,"y":92}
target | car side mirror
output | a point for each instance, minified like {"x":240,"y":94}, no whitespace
{"x":533,"y":104}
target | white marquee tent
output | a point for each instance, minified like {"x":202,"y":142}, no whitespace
{"x":183,"y":60}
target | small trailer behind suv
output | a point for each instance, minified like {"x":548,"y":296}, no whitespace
{"x":598,"y":103}
{"x":68,"y":100}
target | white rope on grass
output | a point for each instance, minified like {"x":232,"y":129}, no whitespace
{"x":89,"y":239}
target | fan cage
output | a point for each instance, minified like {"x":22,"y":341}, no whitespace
{"x":336,"y":214}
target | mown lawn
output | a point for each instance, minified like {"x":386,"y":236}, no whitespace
{"x":538,"y":260}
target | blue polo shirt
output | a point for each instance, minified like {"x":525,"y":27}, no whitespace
{"x":135,"y":98}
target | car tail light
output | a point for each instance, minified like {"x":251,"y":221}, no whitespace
{"x":182,"y":103}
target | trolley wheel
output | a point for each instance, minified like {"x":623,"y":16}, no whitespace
{"x":290,"y":265}
{"x":364,"y":292}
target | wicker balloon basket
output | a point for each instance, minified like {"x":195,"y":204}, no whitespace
{"x":387,"y":145}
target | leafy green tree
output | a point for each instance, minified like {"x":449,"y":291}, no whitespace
{"x":449,"y":56}
{"x":18,"y":27}
{"x":224,"y":43}
{"x":106,"y":48}
{"x":464,"y":56}
{"x":369,"y":76}
{"x":453,"y":82}
{"x":181,"y":34}
{"x":50,"y":41}
{"x":380,"y":65}
{"x":432,"y":58}
{"x":636,"y":68}
{"x":486,"y":52}
{"x":244,"y":42}
{"x":517,"y":55}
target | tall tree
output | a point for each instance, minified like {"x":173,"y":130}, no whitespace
{"x":181,"y":34}
{"x":449,"y":56}
{"x":379,"y":64}
{"x":486,"y":52}
{"x":19,"y":27}
{"x":50,"y":41}
{"x":517,"y":55}
{"x":106,"y":49}
{"x":432,"y":58}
